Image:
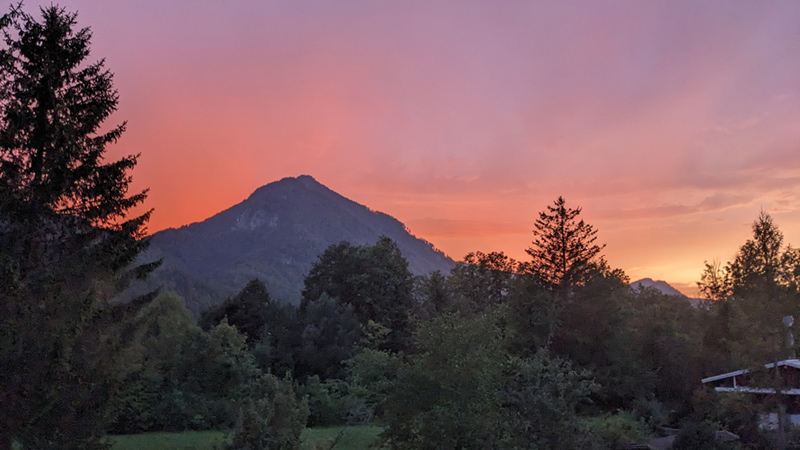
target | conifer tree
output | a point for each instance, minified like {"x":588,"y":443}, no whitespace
{"x":66,"y":237}
{"x":563,"y":247}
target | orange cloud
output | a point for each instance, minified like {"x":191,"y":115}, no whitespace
{"x":672,"y":124}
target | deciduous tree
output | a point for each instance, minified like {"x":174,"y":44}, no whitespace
{"x":373,"y":279}
{"x":249,"y":311}
{"x":481,"y":280}
{"x":753,"y":291}
{"x":463,"y":390}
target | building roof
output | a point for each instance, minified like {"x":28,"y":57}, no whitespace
{"x":794,"y":363}
{"x":748,"y":390}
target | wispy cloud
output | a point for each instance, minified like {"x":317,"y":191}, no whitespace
{"x":659,"y":118}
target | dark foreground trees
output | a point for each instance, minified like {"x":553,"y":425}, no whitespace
{"x":463,"y":389}
{"x":752,"y":293}
{"x":373,"y":280}
{"x":179,"y":377}
{"x":66,"y":235}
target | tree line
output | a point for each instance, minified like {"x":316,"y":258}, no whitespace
{"x":554,"y":352}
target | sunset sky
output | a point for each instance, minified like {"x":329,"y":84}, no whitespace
{"x":671,"y":123}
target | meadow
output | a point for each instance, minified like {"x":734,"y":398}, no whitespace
{"x":352,"y":438}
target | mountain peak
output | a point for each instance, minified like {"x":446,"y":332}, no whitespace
{"x":301,"y":181}
{"x":306,"y":178}
{"x":275,"y":235}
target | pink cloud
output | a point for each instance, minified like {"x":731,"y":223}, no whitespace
{"x":659,"y":118}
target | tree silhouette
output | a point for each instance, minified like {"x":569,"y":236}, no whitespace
{"x":563,"y":248}
{"x":65,"y":234}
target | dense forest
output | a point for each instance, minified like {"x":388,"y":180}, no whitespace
{"x":555,"y":352}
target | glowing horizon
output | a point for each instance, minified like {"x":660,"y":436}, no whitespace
{"x":456,"y":238}
{"x":672,"y":124}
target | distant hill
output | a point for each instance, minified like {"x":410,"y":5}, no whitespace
{"x":659,"y":285}
{"x":666,"y":289}
{"x":274,"y":235}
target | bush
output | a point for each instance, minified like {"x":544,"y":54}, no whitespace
{"x":464,"y":390}
{"x":271,"y":417}
{"x":697,"y":436}
{"x":328,"y":401}
{"x":618,"y":430}
{"x":371,"y":375}
{"x":734,"y":412}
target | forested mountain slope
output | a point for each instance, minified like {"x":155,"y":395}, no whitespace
{"x":274,"y":235}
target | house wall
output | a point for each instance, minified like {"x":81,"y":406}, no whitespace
{"x":769,"y":421}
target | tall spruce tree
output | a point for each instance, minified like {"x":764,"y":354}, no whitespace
{"x":66,"y":237}
{"x":563,"y":247}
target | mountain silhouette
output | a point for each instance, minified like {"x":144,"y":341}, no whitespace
{"x":275,"y":235}
{"x":661,"y":286}
{"x":665,"y":288}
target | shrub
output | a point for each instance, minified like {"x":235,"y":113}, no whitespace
{"x":271,"y":417}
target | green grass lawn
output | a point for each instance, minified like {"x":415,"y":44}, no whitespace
{"x":353,"y":438}
{"x":187,"y":440}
